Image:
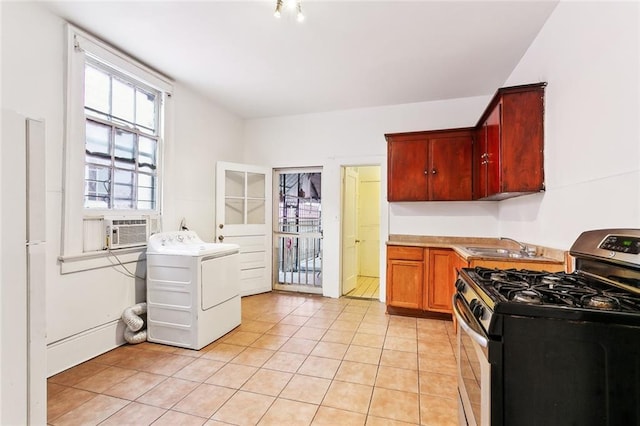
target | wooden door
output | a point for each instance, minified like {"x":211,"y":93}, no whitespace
{"x":243,"y":217}
{"x":440,"y":283}
{"x":450,"y":168}
{"x":407,"y":165}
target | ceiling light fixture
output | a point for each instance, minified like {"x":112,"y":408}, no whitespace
{"x":290,"y":4}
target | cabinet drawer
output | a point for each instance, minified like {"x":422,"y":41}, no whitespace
{"x":405,"y":253}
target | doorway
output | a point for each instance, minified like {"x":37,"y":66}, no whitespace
{"x":297,"y":235}
{"x":361,"y":232}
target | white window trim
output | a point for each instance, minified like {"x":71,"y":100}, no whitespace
{"x":79,"y":44}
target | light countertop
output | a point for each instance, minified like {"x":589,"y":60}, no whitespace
{"x":459,"y":244}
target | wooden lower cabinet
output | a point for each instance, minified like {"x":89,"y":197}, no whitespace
{"x":441,"y":280}
{"x":421,"y":279}
{"x":405,"y":277}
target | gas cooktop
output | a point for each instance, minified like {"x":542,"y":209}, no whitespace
{"x":553,"y":289}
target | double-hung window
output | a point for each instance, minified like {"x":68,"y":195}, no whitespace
{"x":121,"y":140}
{"x":117,"y":119}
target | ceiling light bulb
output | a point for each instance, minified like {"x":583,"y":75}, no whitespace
{"x":300,"y":15}
{"x":278,"y":9}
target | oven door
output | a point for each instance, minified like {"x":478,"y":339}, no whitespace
{"x":474,"y":370}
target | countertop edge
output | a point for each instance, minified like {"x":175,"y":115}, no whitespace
{"x":457,"y":244}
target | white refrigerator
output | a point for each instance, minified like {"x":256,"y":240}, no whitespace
{"x":23,"y":397}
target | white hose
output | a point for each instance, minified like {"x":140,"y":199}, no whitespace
{"x":131,"y":317}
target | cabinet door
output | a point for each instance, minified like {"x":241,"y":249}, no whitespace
{"x":522,"y":134}
{"x":479,"y":163}
{"x":407,"y":165}
{"x":404,"y":283}
{"x":492,"y":154}
{"x":440,"y":284}
{"x":450,"y":168}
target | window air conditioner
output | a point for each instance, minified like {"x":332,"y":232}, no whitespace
{"x":123,"y":233}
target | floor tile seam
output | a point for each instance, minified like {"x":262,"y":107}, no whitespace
{"x":173,"y":407}
{"x":136,"y":402}
{"x":388,"y":418}
{"x":441,"y":396}
{"x":86,"y":402}
{"x":78,"y":406}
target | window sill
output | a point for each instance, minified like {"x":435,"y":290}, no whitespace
{"x":100,"y":259}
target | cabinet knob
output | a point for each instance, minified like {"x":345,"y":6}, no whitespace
{"x":434,"y":171}
{"x":426,"y":172}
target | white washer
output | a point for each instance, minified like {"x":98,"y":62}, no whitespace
{"x":193,"y":289}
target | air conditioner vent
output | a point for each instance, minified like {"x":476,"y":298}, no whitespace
{"x":122,"y":233}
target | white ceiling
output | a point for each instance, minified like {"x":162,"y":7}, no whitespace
{"x":344,"y":55}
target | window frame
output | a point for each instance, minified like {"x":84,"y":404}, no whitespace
{"x":82,"y":48}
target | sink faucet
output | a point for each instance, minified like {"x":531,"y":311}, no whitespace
{"x":523,"y":248}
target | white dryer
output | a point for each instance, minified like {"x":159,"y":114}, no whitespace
{"x":193,"y":289}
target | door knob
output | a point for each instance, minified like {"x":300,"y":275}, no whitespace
{"x":221,"y":238}
{"x":221,"y":226}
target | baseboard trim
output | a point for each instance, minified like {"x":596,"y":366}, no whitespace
{"x":83,"y":346}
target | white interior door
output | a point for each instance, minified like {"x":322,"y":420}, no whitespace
{"x":243,"y":217}
{"x":350,"y":230}
{"x":369,"y":221}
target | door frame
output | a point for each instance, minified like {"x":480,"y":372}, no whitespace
{"x":275,"y":270}
{"x":381,"y":162}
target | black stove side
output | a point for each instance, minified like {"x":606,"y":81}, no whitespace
{"x":558,"y":372}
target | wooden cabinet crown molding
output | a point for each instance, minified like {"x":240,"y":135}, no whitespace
{"x":508,"y":90}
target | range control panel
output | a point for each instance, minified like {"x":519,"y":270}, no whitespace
{"x":621,"y":243}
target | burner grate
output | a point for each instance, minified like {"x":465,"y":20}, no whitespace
{"x":556,"y":289}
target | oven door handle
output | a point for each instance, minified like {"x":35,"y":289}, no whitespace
{"x":468,"y":322}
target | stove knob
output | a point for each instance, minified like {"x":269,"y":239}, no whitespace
{"x":477,"y":310}
{"x":460,"y":285}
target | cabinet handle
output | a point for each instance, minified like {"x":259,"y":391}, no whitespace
{"x":426,"y":172}
{"x":434,"y":171}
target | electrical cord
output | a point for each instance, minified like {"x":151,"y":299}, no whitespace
{"x":128,"y":273}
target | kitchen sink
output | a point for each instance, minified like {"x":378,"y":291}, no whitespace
{"x":496,"y":252}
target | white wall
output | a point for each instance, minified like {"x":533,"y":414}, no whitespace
{"x":356,"y":137}
{"x":588,"y":52}
{"x":83,"y":308}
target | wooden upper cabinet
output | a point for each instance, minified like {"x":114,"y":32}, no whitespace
{"x":430,"y":166}
{"x":407,"y":157}
{"x":508,"y":155}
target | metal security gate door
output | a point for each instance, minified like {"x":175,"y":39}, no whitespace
{"x":298,"y":231}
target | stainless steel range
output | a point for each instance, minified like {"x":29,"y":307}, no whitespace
{"x":538,"y":348}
